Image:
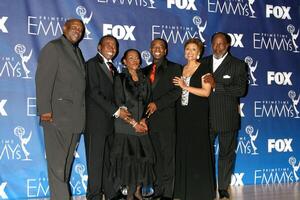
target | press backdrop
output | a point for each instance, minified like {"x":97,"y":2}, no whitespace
{"x":264,"y":33}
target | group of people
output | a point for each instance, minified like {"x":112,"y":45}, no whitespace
{"x":145,"y":127}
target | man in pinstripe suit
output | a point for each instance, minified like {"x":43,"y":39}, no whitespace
{"x":229,"y":83}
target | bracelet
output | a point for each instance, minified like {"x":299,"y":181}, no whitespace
{"x":134,"y":124}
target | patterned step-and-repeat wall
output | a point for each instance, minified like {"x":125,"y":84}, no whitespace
{"x":265,"y":33}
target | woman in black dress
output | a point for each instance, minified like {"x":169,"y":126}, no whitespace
{"x":194,"y":169}
{"x":132,"y":156}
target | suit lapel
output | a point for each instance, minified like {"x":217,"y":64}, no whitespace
{"x":104,"y":68}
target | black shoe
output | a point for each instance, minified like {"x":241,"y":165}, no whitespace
{"x":223,"y":194}
{"x":118,"y":196}
{"x":157,"y":193}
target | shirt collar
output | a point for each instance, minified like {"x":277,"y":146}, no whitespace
{"x":220,"y":59}
{"x":104,"y":59}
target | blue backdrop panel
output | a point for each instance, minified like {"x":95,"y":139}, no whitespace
{"x":264,"y":33}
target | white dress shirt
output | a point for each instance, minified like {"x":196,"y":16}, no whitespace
{"x":217,"y":62}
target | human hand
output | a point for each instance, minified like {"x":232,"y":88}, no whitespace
{"x":179,"y":82}
{"x":47,"y":117}
{"x":124,"y":114}
{"x":140,"y":128}
{"x":144,"y":124}
{"x":151,"y":108}
{"x":208,"y":78}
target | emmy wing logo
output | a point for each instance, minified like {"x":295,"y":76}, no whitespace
{"x":146,"y":56}
{"x":293,"y":163}
{"x":20,"y":49}
{"x":81,"y":11}
{"x":152,"y":2}
{"x":252,"y":68}
{"x":250,"y":131}
{"x":19,"y":131}
{"x":3,"y":195}
{"x":250,"y":4}
{"x":201,"y":28}
{"x":291,"y":29}
{"x":292,"y":95}
{"x":80,"y":169}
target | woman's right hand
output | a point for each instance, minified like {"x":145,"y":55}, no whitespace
{"x":178,"y":81}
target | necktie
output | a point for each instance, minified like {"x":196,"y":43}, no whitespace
{"x":111,"y":68}
{"x":76,"y":51}
{"x":152,"y":73}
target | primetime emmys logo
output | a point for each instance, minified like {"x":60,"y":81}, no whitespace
{"x":79,"y":186}
{"x":232,"y":7}
{"x":244,"y":145}
{"x":179,"y":34}
{"x":293,"y":163}
{"x":45,"y":25}
{"x":273,"y":175}
{"x":121,"y":32}
{"x":273,"y":108}
{"x":292,"y":95}
{"x":19,"y":131}
{"x":146,"y":56}
{"x":280,"y":145}
{"x":182,"y":4}
{"x":2,"y":109}
{"x":37,"y":187}
{"x":280,"y":42}
{"x":237,"y":179}
{"x":2,"y":24}
{"x":81,"y":11}
{"x":252,"y":68}
{"x":3,"y":194}
{"x":80,"y":169}
{"x":11,"y":150}
{"x":279,"y":78}
{"x":16,"y":68}
{"x":201,"y":28}
{"x":276,"y":108}
{"x":140,"y":3}
{"x":279,"y":12}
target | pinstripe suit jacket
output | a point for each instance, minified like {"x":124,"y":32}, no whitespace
{"x":231,"y":84}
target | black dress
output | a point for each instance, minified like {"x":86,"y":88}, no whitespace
{"x":194,"y":169}
{"x":132,"y":156}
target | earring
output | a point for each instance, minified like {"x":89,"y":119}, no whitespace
{"x":198,"y":57}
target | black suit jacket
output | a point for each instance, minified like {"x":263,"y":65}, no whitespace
{"x":164,"y":95}
{"x":100,"y":105}
{"x":134,"y":95}
{"x":60,"y":85}
{"x":231,"y":84}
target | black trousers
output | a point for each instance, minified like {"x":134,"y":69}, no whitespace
{"x":164,"y":147}
{"x":97,"y":147}
{"x":60,"y":147}
{"x":226,"y":161}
